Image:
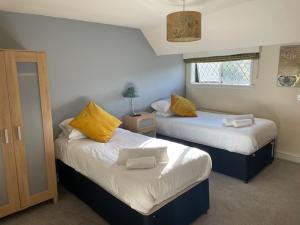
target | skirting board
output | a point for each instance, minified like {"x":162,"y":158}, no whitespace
{"x":287,"y":156}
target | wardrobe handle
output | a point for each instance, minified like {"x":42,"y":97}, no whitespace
{"x":19,"y":133}
{"x":6,"y":136}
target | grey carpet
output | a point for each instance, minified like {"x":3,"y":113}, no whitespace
{"x":271,"y":198}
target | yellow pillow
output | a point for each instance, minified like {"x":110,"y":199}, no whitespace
{"x":96,"y":123}
{"x":182,"y":106}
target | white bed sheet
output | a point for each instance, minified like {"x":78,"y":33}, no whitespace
{"x":207,"y":129}
{"x":140,"y":189}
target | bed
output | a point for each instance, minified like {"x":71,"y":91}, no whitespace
{"x":176,"y":192}
{"x":238,"y":152}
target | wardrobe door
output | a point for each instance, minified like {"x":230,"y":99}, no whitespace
{"x":32,"y":126}
{"x":9,"y":194}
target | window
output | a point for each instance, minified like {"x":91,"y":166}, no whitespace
{"x":237,"y":72}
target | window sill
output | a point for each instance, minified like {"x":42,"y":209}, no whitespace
{"x":222,"y":85}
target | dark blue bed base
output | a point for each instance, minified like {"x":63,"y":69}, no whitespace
{"x":233,"y":164}
{"x":181,"y":211}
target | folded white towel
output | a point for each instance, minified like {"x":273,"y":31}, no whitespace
{"x":165,"y":114}
{"x":242,"y":123}
{"x":141,"y":163}
{"x":160,"y":154}
{"x":228,"y":120}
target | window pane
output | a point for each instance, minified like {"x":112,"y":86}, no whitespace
{"x":227,"y":73}
{"x":236,"y":72}
{"x":209,"y":72}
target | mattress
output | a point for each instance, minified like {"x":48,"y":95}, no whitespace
{"x":207,"y":129}
{"x":142,"y":189}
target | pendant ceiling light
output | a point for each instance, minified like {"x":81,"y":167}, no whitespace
{"x":184,"y":26}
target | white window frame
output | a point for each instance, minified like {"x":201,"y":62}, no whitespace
{"x":253,"y":75}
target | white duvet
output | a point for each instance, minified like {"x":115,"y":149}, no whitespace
{"x":207,"y":129}
{"x":140,"y":189}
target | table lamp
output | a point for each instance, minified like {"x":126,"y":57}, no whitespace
{"x":131,"y":93}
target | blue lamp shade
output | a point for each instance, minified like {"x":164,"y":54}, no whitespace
{"x":130,"y":92}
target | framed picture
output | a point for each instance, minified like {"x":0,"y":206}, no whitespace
{"x":289,"y":66}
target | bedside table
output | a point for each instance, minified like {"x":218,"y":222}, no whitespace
{"x":143,"y":124}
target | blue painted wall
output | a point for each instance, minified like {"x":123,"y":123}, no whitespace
{"x":90,"y":61}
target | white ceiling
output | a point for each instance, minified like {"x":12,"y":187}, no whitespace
{"x":250,"y":24}
{"x":130,"y":13}
{"x":226,"y":24}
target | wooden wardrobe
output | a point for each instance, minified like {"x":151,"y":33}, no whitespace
{"x":27,"y":162}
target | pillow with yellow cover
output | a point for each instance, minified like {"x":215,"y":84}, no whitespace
{"x":96,"y":123}
{"x":182,"y":106}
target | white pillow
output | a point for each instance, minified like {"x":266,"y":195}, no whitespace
{"x":162,"y":107}
{"x":70,"y":132}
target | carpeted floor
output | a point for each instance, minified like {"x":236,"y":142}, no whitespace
{"x":271,"y":198}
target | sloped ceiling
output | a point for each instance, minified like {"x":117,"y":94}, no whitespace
{"x":227,"y":24}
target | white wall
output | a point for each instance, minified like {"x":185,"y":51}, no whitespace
{"x":265,"y":100}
